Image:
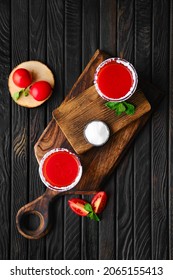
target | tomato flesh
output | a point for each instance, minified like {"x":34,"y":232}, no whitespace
{"x":77,"y":206}
{"x":22,"y":78}
{"x":40,"y":90}
{"x":98,"y":202}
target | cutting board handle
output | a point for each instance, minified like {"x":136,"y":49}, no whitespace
{"x":40,"y":208}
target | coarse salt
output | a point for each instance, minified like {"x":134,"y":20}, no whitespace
{"x":96,"y":133}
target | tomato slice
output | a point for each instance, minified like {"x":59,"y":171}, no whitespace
{"x":77,"y":206}
{"x":98,"y":202}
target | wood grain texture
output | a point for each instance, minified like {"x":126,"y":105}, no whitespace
{"x":38,"y":208}
{"x":124,"y":194}
{"x":108,"y":32}
{"x":73,"y":50}
{"x":90,"y":42}
{"x":142,"y":158}
{"x":55,"y":51}
{"x":108,"y":42}
{"x":159,"y":133}
{"x":37,"y":50}
{"x":90,"y":29}
{"x":55,"y":58}
{"x":90,"y":237}
{"x":72,"y":71}
{"x":138,"y":219}
{"x":5,"y":163}
{"x":73,"y":116}
{"x":73,"y":42}
{"x":19,"y":191}
{"x":170,"y":166}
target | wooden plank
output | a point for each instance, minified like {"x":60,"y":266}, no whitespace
{"x":142,"y":163}
{"x":108,"y":32}
{"x":5,"y":141}
{"x":73,"y":49}
{"x":55,"y":51}
{"x":124,"y":181}
{"x":160,"y":77}
{"x":170,"y":178}
{"x":19,"y":191}
{"x":90,"y":42}
{"x":73,"y":116}
{"x":73,"y":42}
{"x":90,"y":236}
{"x":37,"y":51}
{"x":55,"y":59}
{"x":108,"y":41}
{"x":90,"y":33}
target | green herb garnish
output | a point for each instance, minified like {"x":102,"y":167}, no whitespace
{"x":91,"y":214}
{"x":18,"y":94}
{"x":121,"y":107}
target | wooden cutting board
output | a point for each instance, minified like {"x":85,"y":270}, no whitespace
{"x":73,"y":116}
{"x":98,"y":162}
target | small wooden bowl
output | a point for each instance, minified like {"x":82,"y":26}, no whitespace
{"x":39,"y":71}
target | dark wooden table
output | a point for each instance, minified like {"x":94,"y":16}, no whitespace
{"x":138,"y":220}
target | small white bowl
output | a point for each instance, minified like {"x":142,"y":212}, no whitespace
{"x":97,"y":129}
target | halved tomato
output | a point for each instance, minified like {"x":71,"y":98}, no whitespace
{"x":98,"y":202}
{"x":77,"y":206}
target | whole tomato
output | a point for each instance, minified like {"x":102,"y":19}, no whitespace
{"x":40,"y":90}
{"x":22,"y":78}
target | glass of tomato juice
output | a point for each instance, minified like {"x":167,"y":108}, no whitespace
{"x":115,"y":79}
{"x":60,"y":170}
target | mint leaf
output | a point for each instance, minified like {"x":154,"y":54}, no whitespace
{"x":121,"y":107}
{"x":17,"y":94}
{"x":112,"y":105}
{"x":90,"y":215}
{"x":26,"y":92}
{"x":116,"y":106}
{"x":130,"y":108}
{"x":93,"y":216}
{"x":88,"y":207}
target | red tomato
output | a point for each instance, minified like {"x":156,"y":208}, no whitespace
{"x":40,"y":90}
{"x":77,"y":206}
{"x":98,"y":202}
{"x":22,"y":78}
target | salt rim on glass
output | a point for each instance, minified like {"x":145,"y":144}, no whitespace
{"x":56,"y":188}
{"x":131,"y":69}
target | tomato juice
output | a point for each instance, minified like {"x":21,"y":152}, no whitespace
{"x":115,"y":79}
{"x":60,"y":169}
